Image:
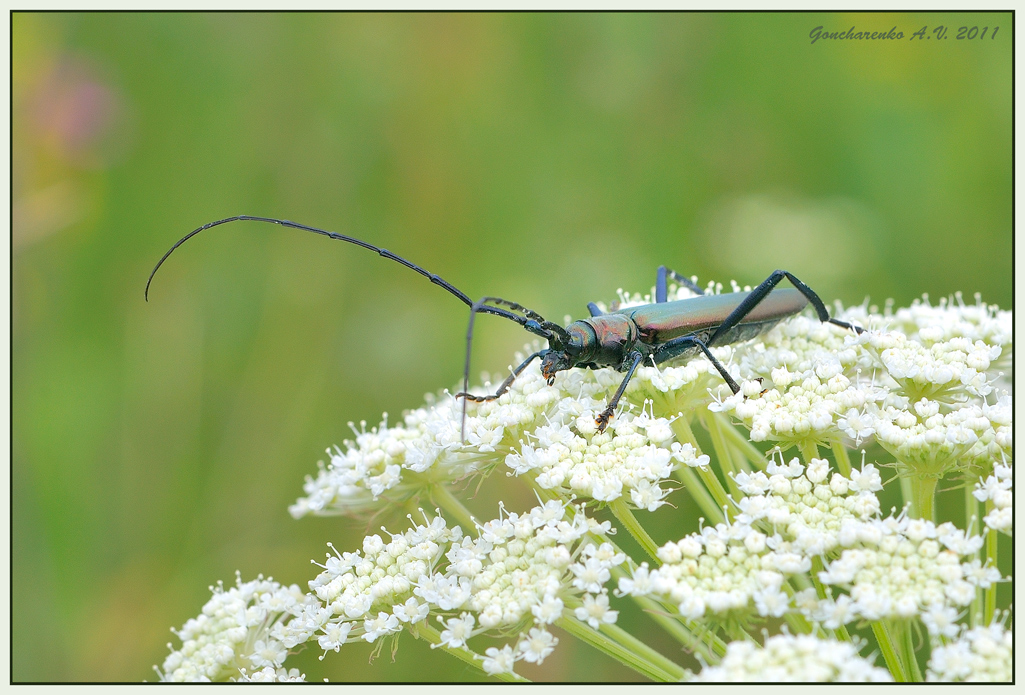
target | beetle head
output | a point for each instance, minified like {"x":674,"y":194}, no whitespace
{"x":555,"y":361}
{"x":567,"y":350}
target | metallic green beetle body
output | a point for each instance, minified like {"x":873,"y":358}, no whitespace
{"x":659,"y":332}
{"x":660,"y":323}
{"x":610,"y":340}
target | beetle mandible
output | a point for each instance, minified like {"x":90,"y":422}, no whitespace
{"x":620,"y":339}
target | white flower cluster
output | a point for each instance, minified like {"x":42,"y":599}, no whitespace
{"x":524,"y":568}
{"x":789,"y":514}
{"x":998,"y":489}
{"x":272,"y":675}
{"x":521,"y":574}
{"x":721,"y":570}
{"x":935,"y":324}
{"x":931,"y":404}
{"x":813,"y":513}
{"x":902,"y":568}
{"x":522,"y":564}
{"x":893,"y":568}
{"x":517,"y":566}
{"x":929,"y":441}
{"x":799,"y":379}
{"x":944,"y":371}
{"x":393,"y":461}
{"x":238,"y":630}
{"x":980,"y":655}
{"x":793,"y":659}
{"x":633,"y":455}
{"x":369,"y":595}
{"x":930,"y":325}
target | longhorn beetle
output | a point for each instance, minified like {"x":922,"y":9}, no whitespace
{"x":620,"y":339}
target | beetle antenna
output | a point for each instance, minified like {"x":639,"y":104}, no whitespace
{"x":530,"y":320}
{"x":478,"y":307}
{"x":530,"y":314}
{"x":435,"y":279}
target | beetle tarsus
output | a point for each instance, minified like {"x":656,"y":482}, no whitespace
{"x":844,"y":324}
{"x":477,"y":399}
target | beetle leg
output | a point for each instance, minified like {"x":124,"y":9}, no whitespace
{"x":501,"y":389}
{"x":505,"y":384}
{"x":633,"y":359}
{"x":593,"y":309}
{"x":677,"y":346}
{"x":661,"y":289}
{"x":759,"y":293}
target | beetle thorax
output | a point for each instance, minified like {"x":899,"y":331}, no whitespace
{"x":614,"y":336}
{"x":599,"y":340}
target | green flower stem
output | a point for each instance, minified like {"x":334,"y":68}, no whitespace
{"x":429,"y":634}
{"x":719,"y":494}
{"x":544,"y":494}
{"x":629,"y":521}
{"x":888,"y":651}
{"x":798,"y":623}
{"x":699,"y":493}
{"x":923,"y":490}
{"x":738,"y":454}
{"x":722,"y":451}
{"x":991,"y":556}
{"x":908,"y":649}
{"x":749,"y":451}
{"x":809,"y":451}
{"x":971,"y":515}
{"x":905,"y":485}
{"x":843,"y":461}
{"x":675,"y":671}
{"x":975,"y":613}
{"x":711,"y":648}
{"x":971,"y":505}
{"x":737,"y":633}
{"x":625,"y":655}
{"x":685,"y":435}
{"x":820,"y":589}
{"x":441,"y":496}
{"x":800,"y":581}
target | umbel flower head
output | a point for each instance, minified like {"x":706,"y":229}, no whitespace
{"x":981,"y":654}
{"x":238,"y":631}
{"x":789,"y":531}
{"x":794,"y":658}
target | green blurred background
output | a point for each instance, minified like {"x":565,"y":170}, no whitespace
{"x":550,"y":159}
